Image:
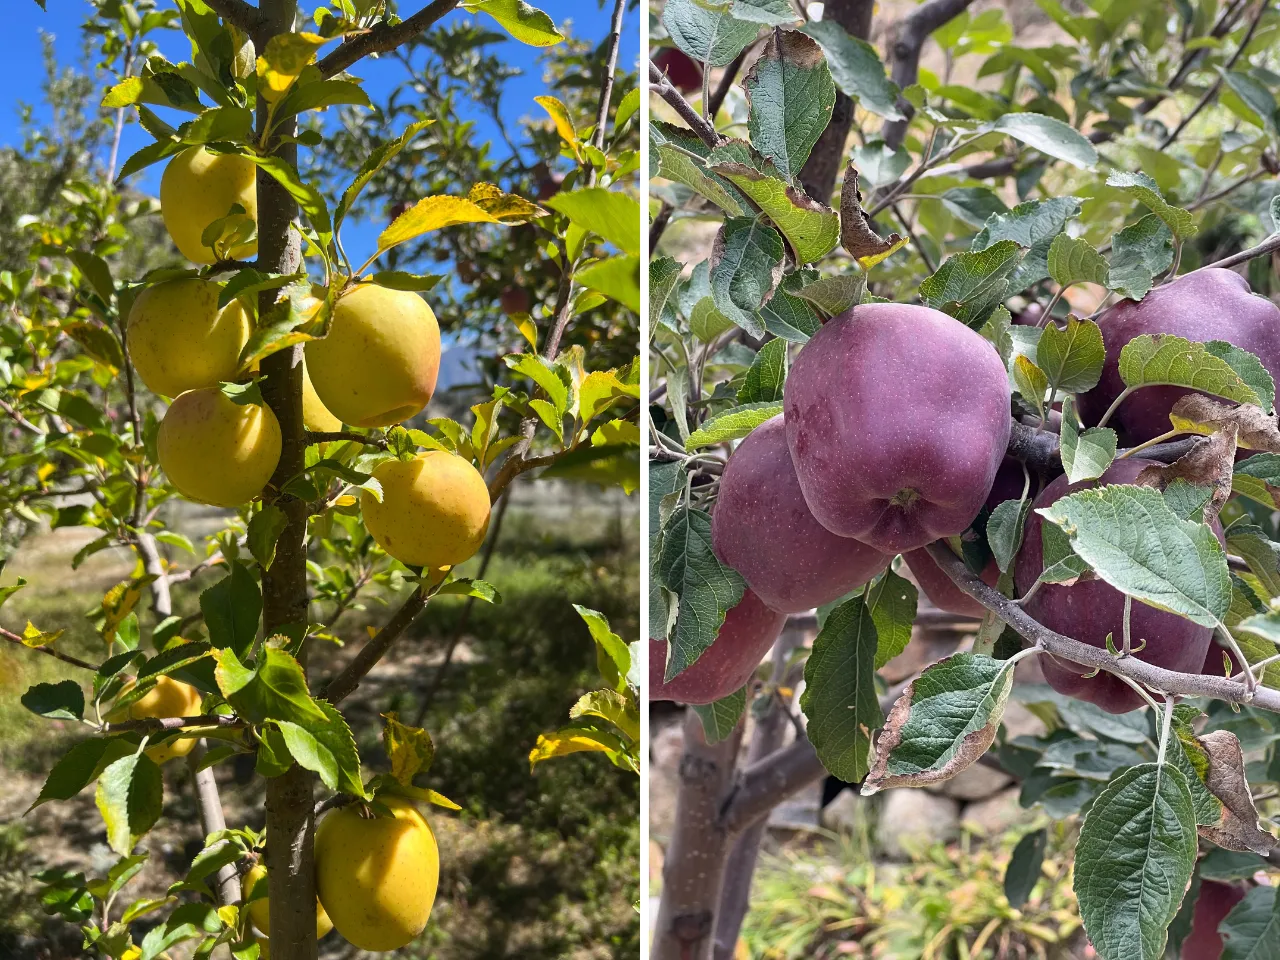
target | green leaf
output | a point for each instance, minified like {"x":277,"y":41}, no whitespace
{"x":403,"y":280}
{"x":1181,"y":222}
{"x":1140,"y":253}
{"x":1025,"y":865}
{"x":664,"y":274}
{"x":1136,"y":543}
{"x":790,"y":95}
{"x":681,"y":156}
{"x":1141,"y":834}
{"x":319,"y":95}
{"x":707,"y":31}
{"x":1164,"y":360}
{"x":609,"y":214}
{"x":840,"y":690}
{"x":309,"y":199}
{"x":1071,"y":357}
{"x":1252,"y":929}
{"x":813,"y":230}
{"x":1033,"y":225}
{"x":969,"y":286}
{"x":1004,"y":530}
{"x":527,"y":24}
{"x":1258,"y":101}
{"x":788,"y":316}
{"x":1086,"y":454}
{"x":80,"y":766}
{"x":746,"y":265}
{"x":764,"y":380}
{"x":1073,"y":260}
{"x":618,"y":278}
{"x":95,"y":270}
{"x":1258,"y":478}
{"x":1227,"y":866}
{"x":974,"y":205}
{"x":878,"y":165}
{"x":733,"y":424}
{"x":1051,"y":137}
{"x":720,"y":718}
{"x":246,"y":284}
{"x":1249,"y":369}
{"x":945,"y":719}
{"x":326,"y":748}
{"x":380,"y":157}
{"x":835,"y":295}
{"x":894,"y":614}
{"x":856,"y":69}
{"x":63,"y":700}
{"x":687,"y":566}
{"x":130,"y":796}
{"x":264,"y":530}
{"x":772,"y":13}
{"x":480,"y":589}
{"x":1031,"y":382}
{"x":555,"y":381}
{"x":613,"y":656}
{"x":232,"y":608}
{"x":274,"y":688}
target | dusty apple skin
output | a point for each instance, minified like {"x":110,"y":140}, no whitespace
{"x":897,"y":420}
{"x":1090,"y":609}
{"x":747,"y":634}
{"x":1213,"y":903}
{"x":1210,"y":304}
{"x":763,"y":529}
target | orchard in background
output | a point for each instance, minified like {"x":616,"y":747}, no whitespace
{"x":1025,"y":352}
{"x":282,"y":379}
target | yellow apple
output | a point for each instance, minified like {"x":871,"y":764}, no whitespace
{"x":260,"y":909}
{"x":434,"y":510}
{"x":168,"y":698}
{"x":199,"y":187}
{"x":378,"y":364}
{"x":179,"y":340}
{"x":315,"y":415}
{"x":377,"y":876}
{"x":217,"y":451}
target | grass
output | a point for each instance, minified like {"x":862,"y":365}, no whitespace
{"x":542,"y":866}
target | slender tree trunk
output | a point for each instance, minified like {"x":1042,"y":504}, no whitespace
{"x":694,"y":870}
{"x":290,"y":823}
{"x":766,"y":738}
{"x":818,"y":177}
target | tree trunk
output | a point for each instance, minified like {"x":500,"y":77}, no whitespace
{"x":766,"y":738}
{"x":818,"y":176}
{"x":290,"y":822}
{"x":699,"y":848}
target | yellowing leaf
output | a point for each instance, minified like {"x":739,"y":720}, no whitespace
{"x":616,"y":432}
{"x":564,"y":123}
{"x":524,"y":323}
{"x":286,"y":56}
{"x":346,"y":500}
{"x":507,"y":207}
{"x":599,"y":389}
{"x":561,"y":744}
{"x":119,"y":602}
{"x":32,"y":637}
{"x":432,"y":213}
{"x":371,"y":630}
{"x":409,"y":748}
{"x":45,"y":471}
{"x":870,"y":261}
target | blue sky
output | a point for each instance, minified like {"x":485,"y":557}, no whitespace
{"x":22,"y":71}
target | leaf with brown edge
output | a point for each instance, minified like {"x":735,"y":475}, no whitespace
{"x":506,"y":207}
{"x":1197,"y":413}
{"x":856,"y":234}
{"x":1208,"y":464}
{"x":1239,"y":828}
{"x":945,"y":720}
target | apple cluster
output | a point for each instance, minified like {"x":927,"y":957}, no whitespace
{"x":375,"y":367}
{"x":895,"y":424}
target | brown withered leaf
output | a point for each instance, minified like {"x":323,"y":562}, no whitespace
{"x":1208,"y":464}
{"x":856,"y":234}
{"x":1238,"y":827}
{"x":1196,"y":413}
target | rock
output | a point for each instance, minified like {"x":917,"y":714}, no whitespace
{"x":997,"y":814}
{"x":800,"y":812}
{"x":910,"y":819}
{"x":846,"y":813}
{"x":975,"y":782}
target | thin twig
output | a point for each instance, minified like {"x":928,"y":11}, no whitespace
{"x":606,"y":84}
{"x":345,"y":683}
{"x":908,"y":37}
{"x":19,"y":419}
{"x":48,"y":651}
{"x":383,"y":38}
{"x":165,"y":724}
{"x":660,"y":85}
{"x":1268,"y":246}
{"x":331,"y":436}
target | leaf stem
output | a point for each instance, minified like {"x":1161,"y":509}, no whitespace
{"x":1115,"y":405}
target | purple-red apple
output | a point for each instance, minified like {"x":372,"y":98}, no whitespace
{"x":1210,"y":304}
{"x":682,"y":70}
{"x":897,"y":420}
{"x":762,"y":528}
{"x":1214,"y":902}
{"x":1089,"y":610}
{"x":747,"y":634}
